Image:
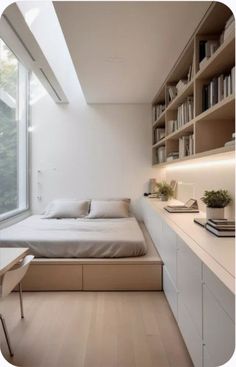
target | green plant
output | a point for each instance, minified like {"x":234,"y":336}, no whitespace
{"x":216,"y":199}
{"x":165,"y":189}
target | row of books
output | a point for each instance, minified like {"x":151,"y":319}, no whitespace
{"x":206,"y":49}
{"x":186,"y":145}
{"x":171,"y":93}
{"x":157,"y":111}
{"x":159,"y":134}
{"x":228,"y":29}
{"x":185,"y":112}
{"x":221,"y":227}
{"x":219,"y":88}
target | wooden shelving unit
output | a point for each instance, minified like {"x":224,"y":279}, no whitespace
{"x":213,"y":127}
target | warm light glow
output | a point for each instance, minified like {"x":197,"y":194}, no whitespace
{"x":204,"y":164}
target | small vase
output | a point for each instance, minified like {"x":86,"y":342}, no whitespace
{"x":215,"y":213}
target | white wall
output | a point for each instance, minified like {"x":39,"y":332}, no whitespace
{"x":208,"y":175}
{"x":81,"y":150}
{"x":89,"y":151}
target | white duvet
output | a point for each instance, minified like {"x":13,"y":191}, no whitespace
{"x":81,"y":238}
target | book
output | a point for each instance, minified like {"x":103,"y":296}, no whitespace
{"x":201,"y":221}
{"x":202,"y":53}
{"x":221,"y":225}
{"x":203,"y":62}
{"x":222,"y":221}
{"x":233,"y":80}
{"x":191,"y":206}
{"x":220,"y":233}
{"x":220,"y":88}
{"x":229,"y":30}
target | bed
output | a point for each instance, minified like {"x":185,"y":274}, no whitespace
{"x":76,"y":238}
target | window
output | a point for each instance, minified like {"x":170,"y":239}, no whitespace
{"x":13,"y":134}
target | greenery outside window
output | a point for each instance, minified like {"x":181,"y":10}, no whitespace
{"x":13,"y":134}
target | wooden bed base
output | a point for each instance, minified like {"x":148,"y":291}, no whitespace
{"x":136,"y":273}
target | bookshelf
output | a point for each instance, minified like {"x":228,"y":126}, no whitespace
{"x":198,"y":95}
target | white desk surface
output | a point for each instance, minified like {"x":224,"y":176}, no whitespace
{"x":10,"y":256}
{"x":217,"y":253}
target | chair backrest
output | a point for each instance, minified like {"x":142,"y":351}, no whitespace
{"x":13,"y":277}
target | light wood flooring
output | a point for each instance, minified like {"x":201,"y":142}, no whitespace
{"x":93,"y":329}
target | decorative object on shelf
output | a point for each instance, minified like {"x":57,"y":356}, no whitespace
{"x":152,"y":185}
{"x":161,"y":154}
{"x":216,"y":201}
{"x":231,"y":143}
{"x":165,"y":190}
{"x":191,"y":206}
{"x":228,"y":30}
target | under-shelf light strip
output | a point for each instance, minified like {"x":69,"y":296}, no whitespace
{"x":206,"y":164}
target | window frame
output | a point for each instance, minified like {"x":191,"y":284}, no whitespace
{"x":24,"y":136}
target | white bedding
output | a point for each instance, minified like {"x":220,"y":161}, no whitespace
{"x":81,"y":238}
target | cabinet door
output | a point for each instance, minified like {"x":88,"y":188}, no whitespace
{"x":170,"y":292}
{"x":190,"y":282}
{"x":169,"y":252}
{"x":190,"y":334}
{"x":218,"y":329}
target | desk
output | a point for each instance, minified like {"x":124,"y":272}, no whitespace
{"x":10,"y":256}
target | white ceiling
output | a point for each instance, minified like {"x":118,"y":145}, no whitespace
{"x":123,"y":51}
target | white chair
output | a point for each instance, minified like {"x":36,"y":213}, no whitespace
{"x":7,"y":283}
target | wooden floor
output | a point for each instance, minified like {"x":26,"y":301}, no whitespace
{"x":93,"y":329}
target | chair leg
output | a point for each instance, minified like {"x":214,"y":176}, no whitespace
{"x":6,"y":335}
{"x":21,"y":301}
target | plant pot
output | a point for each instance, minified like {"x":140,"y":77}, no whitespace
{"x":215,"y":213}
{"x":164,"y":198}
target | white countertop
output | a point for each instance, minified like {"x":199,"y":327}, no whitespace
{"x":216,"y":253}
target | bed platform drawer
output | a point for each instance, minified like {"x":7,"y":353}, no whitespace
{"x":59,"y":277}
{"x":122,"y":277}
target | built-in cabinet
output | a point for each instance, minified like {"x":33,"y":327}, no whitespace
{"x":202,"y":305}
{"x":194,"y":110}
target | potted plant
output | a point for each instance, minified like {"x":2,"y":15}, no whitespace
{"x":165,"y":191}
{"x":216,"y":201}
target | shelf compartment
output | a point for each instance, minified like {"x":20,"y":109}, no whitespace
{"x":224,"y":110}
{"x":221,"y":61}
{"x":180,"y":98}
{"x":159,"y":143}
{"x":187,"y":128}
{"x":212,"y":134}
{"x":222,"y":152}
{"x":160,"y":122}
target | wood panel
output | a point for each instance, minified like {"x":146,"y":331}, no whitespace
{"x":53,"y":277}
{"x":122,"y":277}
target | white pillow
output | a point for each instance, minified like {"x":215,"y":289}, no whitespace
{"x":109,"y":209}
{"x":67,"y":209}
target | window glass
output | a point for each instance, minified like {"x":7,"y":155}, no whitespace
{"x":13,"y":133}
